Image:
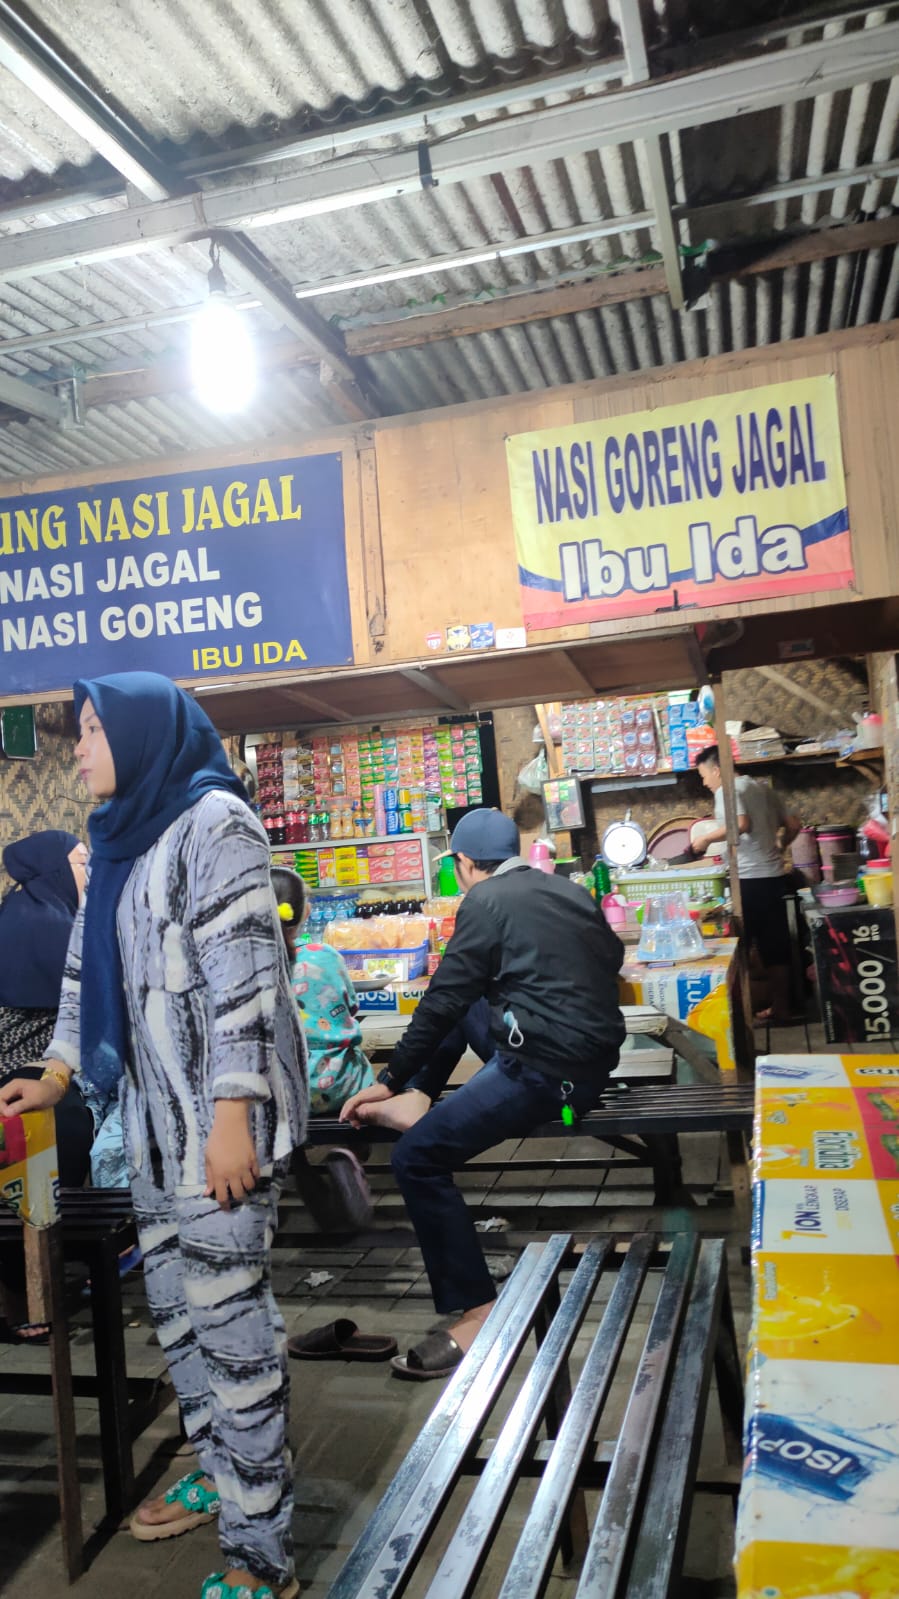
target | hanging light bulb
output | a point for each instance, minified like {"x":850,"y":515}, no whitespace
{"x":222,"y":357}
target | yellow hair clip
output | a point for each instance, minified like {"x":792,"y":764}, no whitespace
{"x":285,"y":912}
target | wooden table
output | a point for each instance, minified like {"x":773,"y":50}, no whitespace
{"x":682,"y":990}
{"x":661,"y":1006}
{"x":646,"y":1057}
{"x":819,"y":1505}
{"x":29,"y":1185}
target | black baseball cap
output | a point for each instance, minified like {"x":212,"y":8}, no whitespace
{"x":485,"y":835}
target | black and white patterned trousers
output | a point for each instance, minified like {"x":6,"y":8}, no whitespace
{"x":208,"y":1284}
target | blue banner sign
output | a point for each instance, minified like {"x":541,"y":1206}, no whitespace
{"x":194,"y":574}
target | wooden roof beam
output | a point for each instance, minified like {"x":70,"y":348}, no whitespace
{"x":579,"y":678}
{"x":747,"y":260}
{"x":436,"y":688}
{"x":322,"y":707}
{"x":505,"y":311}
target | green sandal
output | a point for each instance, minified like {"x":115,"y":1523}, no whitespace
{"x":199,"y":1503}
{"x":215,"y":1587}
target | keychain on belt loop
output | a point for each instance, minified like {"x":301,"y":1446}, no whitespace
{"x":516,"y":1036}
{"x":567,"y":1109}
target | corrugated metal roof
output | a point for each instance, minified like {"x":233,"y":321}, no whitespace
{"x":202,"y":75}
{"x":215,"y":69}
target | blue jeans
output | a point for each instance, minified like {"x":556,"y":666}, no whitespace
{"x":505,"y":1099}
{"x":473,"y":1032}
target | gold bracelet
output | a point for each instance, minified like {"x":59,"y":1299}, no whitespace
{"x":63,"y":1078}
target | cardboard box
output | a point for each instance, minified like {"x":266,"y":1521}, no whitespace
{"x":677,"y":988}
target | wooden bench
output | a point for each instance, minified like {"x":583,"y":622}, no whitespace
{"x":654,"y":1115}
{"x":96,"y":1225}
{"x":646,"y":1466}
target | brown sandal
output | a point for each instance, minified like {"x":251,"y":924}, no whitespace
{"x":341,"y":1340}
{"x":438,"y":1355}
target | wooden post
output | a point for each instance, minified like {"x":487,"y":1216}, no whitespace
{"x":885,"y":685}
{"x":372,"y":549}
{"x":44,"y":1281}
{"x":553,"y":754}
{"x":744,"y":1046}
{"x":553,"y":765}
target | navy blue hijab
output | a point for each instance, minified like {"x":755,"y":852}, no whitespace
{"x":36,"y":919}
{"x":167,"y":755}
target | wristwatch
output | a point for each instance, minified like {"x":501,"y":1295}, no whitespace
{"x":387,"y":1078}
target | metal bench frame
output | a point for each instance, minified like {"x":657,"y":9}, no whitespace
{"x":647,"y":1474}
{"x":654,"y":1115}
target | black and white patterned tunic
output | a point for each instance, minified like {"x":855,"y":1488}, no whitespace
{"x":210,"y":1006}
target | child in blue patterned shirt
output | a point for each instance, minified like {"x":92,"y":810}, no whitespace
{"x":325,"y":994}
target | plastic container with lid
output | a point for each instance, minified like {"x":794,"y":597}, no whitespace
{"x":806,"y":858}
{"x":668,"y":932}
{"x":878,"y":886}
{"x":833,"y":841}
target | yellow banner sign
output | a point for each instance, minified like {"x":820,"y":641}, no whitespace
{"x":740,"y":497}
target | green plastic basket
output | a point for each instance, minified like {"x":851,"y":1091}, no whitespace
{"x":698,"y":883}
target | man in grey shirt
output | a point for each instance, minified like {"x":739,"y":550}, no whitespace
{"x":765,"y":829}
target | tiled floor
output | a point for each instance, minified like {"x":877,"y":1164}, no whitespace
{"x":351,"y":1424}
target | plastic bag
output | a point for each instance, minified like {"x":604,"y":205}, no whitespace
{"x":877,"y":828}
{"x":534,"y":774}
{"x":711,"y":1018}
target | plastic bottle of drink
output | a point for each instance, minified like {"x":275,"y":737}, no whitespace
{"x":324,"y":822}
{"x":303,"y":826}
{"x":540,"y":857}
{"x":602,"y":882}
{"x":446,"y":881}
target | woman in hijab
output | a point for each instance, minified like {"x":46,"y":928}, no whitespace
{"x":36,"y":920}
{"x":176,"y":992}
{"x":36,"y":917}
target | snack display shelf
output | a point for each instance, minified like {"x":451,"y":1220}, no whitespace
{"x":360,"y":888}
{"x":423,"y":880}
{"x":349,"y":843}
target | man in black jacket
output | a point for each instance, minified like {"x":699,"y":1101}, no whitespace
{"x":534,"y":964}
